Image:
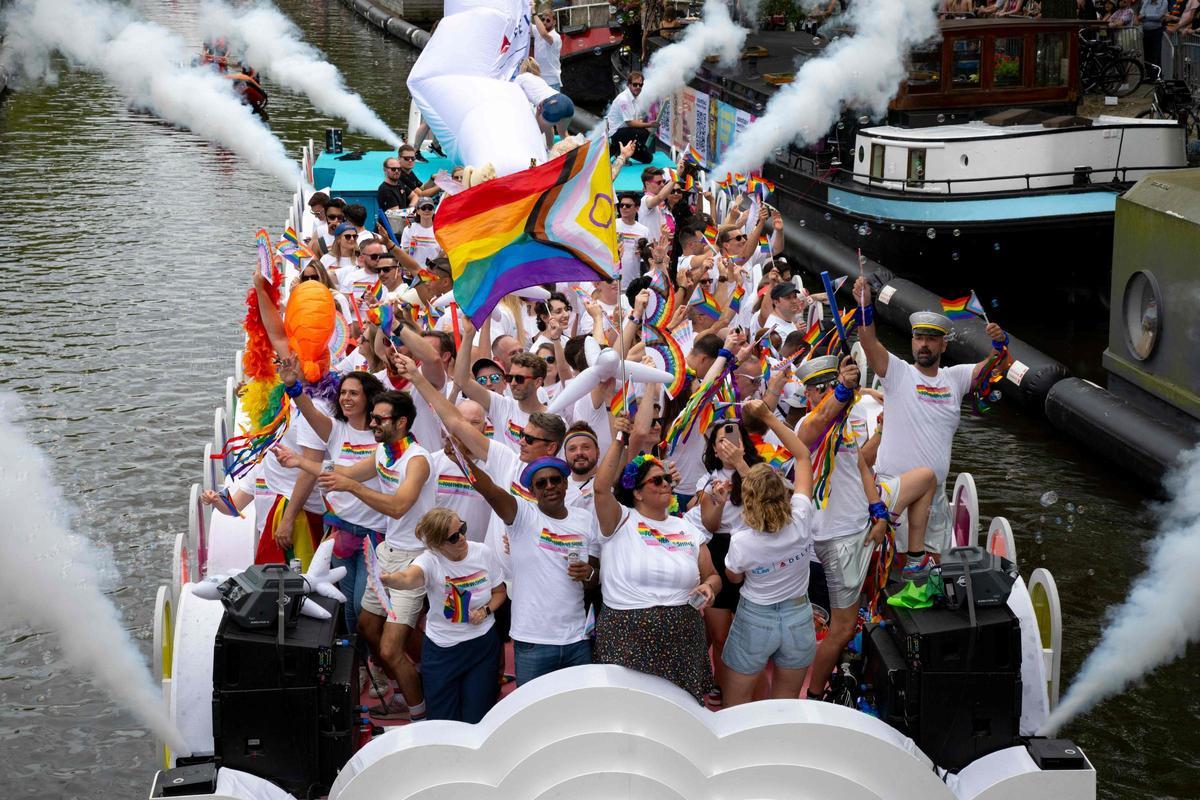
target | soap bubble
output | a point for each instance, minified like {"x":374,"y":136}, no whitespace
{"x":1037,"y":537}
{"x":957,"y":232}
{"x":1049,"y":499}
{"x":1091,"y":572}
{"x":994,"y":396}
{"x":954,"y":256}
{"x":1070,"y":508}
{"x":1079,"y":510}
{"x":828,"y":216}
{"x":1070,"y":519}
{"x":931,"y":233}
{"x":803,"y":224}
{"x":996,"y":246}
{"x":1058,"y":520}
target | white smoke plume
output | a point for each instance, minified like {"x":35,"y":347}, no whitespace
{"x":862,"y":71}
{"x":150,"y":66}
{"x":674,"y":65}
{"x":272,"y":44}
{"x":1160,"y":616}
{"x":49,"y":580}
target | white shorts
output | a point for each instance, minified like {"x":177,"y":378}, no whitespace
{"x":845,"y":560}
{"x":937,"y":531}
{"x":406,"y":603}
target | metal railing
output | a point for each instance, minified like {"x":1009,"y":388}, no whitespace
{"x":590,"y":15}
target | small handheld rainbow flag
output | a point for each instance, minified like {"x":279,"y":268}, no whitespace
{"x":383,"y":316}
{"x":704,"y":301}
{"x":813,"y":333}
{"x":692,"y":156}
{"x":375,"y":293}
{"x":735,"y":301}
{"x":963,"y":307}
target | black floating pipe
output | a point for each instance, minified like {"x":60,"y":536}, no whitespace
{"x":1034,"y":372}
{"x":1116,"y":430}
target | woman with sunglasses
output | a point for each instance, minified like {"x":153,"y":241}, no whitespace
{"x":417,"y":239}
{"x":463,"y":584}
{"x":769,"y":555}
{"x":656,"y":573}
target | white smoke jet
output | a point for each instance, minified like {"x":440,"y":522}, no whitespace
{"x":1160,"y":616}
{"x":49,"y":579}
{"x":150,"y":66}
{"x":674,"y":65}
{"x":862,"y":71}
{"x":272,"y":44}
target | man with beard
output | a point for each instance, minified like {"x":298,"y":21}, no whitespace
{"x":923,"y":407}
{"x":553,"y":553}
{"x":582,"y":453}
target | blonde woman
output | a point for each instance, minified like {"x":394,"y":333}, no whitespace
{"x":462,"y":581}
{"x":768,"y":555}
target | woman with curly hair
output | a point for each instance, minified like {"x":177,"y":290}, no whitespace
{"x":656,"y":573}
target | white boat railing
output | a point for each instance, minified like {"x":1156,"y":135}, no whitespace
{"x":964,"y":511}
{"x":1043,"y":592}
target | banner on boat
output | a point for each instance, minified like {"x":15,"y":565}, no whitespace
{"x":708,"y":124}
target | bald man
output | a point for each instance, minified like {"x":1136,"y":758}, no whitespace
{"x":450,"y":484}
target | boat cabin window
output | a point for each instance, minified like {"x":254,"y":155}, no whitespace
{"x":1050,"y":63}
{"x":1008,"y":61}
{"x":916,"y":167}
{"x":965,"y":63}
{"x":877,"y":153}
{"x":924,"y":72}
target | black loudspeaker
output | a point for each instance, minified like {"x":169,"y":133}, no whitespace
{"x":955,"y":689}
{"x":287,"y":713}
{"x":195,"y":779}
{"x":252,"y":598}
{"x":254,"y":659}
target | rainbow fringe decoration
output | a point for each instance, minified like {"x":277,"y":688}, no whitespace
{"x":704,"y":301}
{"x":826,"y":449}
{"x":662,"y":342}
{"x":991,"y":374}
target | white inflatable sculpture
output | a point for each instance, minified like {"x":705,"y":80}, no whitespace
{"x":319,"y":578}
{"x":462,"y":83}
{"x":603,"y":365}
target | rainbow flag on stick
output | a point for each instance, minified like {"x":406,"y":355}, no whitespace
{"x":963,"y":307}
{"x":552,"y":223}
{"x":692,"y":156}
{"x":705,"y":302}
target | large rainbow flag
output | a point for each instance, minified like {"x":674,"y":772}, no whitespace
{"x":548,"y":224}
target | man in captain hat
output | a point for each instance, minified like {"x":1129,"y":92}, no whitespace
{"x":924,"y":401}
{"x":854,"y":514}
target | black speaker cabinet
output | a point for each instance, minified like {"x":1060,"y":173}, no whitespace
{"x":940,"y":639}
{"x":253,"y":659}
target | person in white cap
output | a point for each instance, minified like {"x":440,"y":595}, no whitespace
{"x":923,"y":409}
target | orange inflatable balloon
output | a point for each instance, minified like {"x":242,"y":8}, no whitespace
{"x":308,"y":323}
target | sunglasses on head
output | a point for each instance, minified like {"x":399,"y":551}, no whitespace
{"x":548,"y":481}
{"x":484,"y":380}
{"x":529,"y":438}
{"x":519,"y":380}
{"x":458,"y":535}
{"x":658,"y":480}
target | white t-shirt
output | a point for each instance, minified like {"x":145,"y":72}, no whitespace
{"x":628,"y":234}
{"x":782,"y":326}
{"x":547,"y":56}
{"x":581,"y":493}
{"x":454,"y":588}
{"x":420,"y":243}
{"x":278,"y":479}
{"x":689,"y":455}
{"x":922,"y":416}
{"x":623,"y":109}
{"x":504,"y":466}
{"x":347,"y":446}
{"x":731,"y":515}
{"x":536,"y":90}
{"x":355,"y":361}
{"x":508,"y":419}
{"x":650,"y":562}
{"x":550,"y":610}
{"x":598,"y":418}
{"x":775,"y":564}
{"x":357,"y":282}
{"x":401,"y":531}
{"x":454,"y":491}
{"x":652,"y":218}
{"x":845,"y":510}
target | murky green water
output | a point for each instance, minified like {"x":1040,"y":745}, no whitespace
{"x":125,"y":245}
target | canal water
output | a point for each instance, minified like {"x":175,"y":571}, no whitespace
{"x":126,"y":246}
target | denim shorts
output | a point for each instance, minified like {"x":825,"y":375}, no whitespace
{"x":780,"y":632}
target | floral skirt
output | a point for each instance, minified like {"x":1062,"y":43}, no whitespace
{"x":667,"y":641}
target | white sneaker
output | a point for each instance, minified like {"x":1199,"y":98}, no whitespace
{"x":378,"y":682}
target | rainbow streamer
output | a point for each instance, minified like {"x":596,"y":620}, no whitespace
{"x":990,"y":374}
{"x":262,"y":399}
{"x":685,"y":421}
{"x":825,"y":451}
{"x":704,"y":302}
{"x":541,"y":225}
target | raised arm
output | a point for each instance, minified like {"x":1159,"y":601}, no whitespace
{"x":608,"y":510}
{"x":999,"y":343}
{"x":271,"y":319}
{"x":799,"y":451}
{"x":877,"y":354}
{"x":289,"y":373}
{"x":462,"y":374}
{"x":450,"y":416}
{"x":818,"y":420}
{"x":501,"y":501}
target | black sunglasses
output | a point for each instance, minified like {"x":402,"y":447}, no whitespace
{"x":408,"y":158}
{"x":392,"y":169}
{"x":741,"y":237}
{"x":628,"y":205}
{"x":635,"y":84}
{"x":457,"y":536}
{"x":333,"y":217}
{"x":379,"y":420}
{"x":548,"y":359}
{"x":657,"y":480}
{"x":519,"y":380}
{"x":425,"y":208}
{"x":309,"y":277}
{"x":548,"y":481}
{"x":350,"y":236}
{"x":530,"y":438}
{"x":386,"y":270}
{"x":373,"y":256}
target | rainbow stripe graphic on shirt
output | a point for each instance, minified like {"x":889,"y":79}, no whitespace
{"x":357,"y":452}
{"x":454,"y":484}
{"x":387,"y":474}
{"x":260,"y":486}
{"x":520,"y":491}
{"x":559,"y":543}
{"x":489,"y":431}
{"x":933,"y":394}
{"x":457,"y":607}
{"x":513,"y":431}
{"x":669,"y":540}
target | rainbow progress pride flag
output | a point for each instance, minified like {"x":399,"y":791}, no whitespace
{"x":963,"y":307}
{"x":553,"y":223}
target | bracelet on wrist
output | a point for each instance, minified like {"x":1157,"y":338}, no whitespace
{"x":725,"y":354}
{"x":865,"y":315}
{"x":879,"y":511}
{"x":841,"y":392}
{"x":1000,"y":345}
{"x":293,"y":391}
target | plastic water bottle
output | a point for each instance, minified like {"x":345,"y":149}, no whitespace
{"x":296,"y":566}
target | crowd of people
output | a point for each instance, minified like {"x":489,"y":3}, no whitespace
{"x":679,"y":531}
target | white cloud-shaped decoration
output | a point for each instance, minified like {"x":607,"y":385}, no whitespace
{"x":601,"y":731}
